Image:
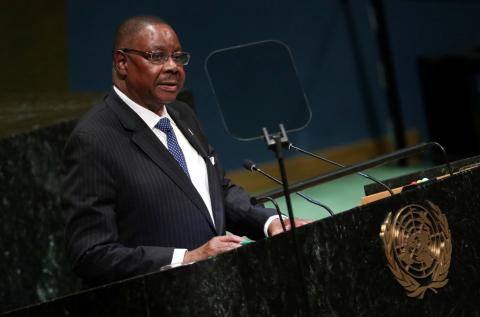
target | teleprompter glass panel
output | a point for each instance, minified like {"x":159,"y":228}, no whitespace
{"x":257,"y":86}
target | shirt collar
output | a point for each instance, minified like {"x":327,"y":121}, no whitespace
{"x":150,"y":117}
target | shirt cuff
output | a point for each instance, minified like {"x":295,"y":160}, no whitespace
{"x":269,"y":221}
{"x":178,"y":255}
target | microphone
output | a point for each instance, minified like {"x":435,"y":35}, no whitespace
{"x":250,"y":165}
{"x":291,"y":146}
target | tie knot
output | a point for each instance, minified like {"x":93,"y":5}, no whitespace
{"x":164,"y":125}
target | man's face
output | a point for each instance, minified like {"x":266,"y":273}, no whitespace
{"x":153,"y":85}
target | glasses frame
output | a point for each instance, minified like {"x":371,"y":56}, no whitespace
{"x":149,"y":56}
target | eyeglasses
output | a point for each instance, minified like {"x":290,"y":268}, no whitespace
{"x":160,"y":57}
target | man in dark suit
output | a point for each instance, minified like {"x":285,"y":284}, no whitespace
{"x":142,"y":187}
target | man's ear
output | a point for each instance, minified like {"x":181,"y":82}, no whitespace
{"x":120,"y":63}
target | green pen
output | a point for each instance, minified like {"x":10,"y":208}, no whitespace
{"x":245,"y":242}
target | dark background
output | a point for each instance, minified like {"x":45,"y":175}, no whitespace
{"x":66,"y":46}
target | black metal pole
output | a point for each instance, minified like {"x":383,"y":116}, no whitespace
{"x":281,"y":164}
{"x":361,"y":76}
{"x":388,"y":67}
{"x":278,"y":149}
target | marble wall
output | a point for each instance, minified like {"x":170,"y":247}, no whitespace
{"x":34,"y":267}
{"x":33,"y":131}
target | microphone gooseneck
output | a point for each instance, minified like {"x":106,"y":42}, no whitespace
{"x":291,"y":146}
{"x":279,"y":213}
{"x":250,"y":165}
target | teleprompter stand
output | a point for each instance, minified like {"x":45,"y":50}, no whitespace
{"x":276,"y":143}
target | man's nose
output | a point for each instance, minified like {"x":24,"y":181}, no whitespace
{"x":170,"y":64}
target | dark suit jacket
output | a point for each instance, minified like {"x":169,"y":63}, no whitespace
{"x":128,"y":202}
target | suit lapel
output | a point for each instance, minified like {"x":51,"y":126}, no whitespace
{"x":146,"y":140}
{"x":215,"y":196}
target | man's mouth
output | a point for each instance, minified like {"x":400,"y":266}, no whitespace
{"x":169,"y":85}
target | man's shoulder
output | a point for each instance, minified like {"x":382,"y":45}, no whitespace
{"x":99,"y":116}
{"x":182,"y":108}
{"x":183,"y":112}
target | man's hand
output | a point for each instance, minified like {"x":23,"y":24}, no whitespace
{"x":213,"y":247}
{"x":275,"y":226}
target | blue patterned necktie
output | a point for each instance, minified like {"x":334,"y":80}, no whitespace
{"x":172,"y":143}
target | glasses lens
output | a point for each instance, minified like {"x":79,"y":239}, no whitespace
{"x":159,"y":57}
{"x":181,"y":58}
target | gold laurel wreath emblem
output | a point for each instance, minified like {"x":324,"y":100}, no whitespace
{"x":439,"y":251}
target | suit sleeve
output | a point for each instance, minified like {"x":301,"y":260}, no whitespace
{"x":89,"y":199}
{"x":242,"y":218}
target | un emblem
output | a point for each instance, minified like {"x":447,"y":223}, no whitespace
{"x":418,"y":248}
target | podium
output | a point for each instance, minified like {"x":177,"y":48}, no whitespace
{"x":347,"y":272}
